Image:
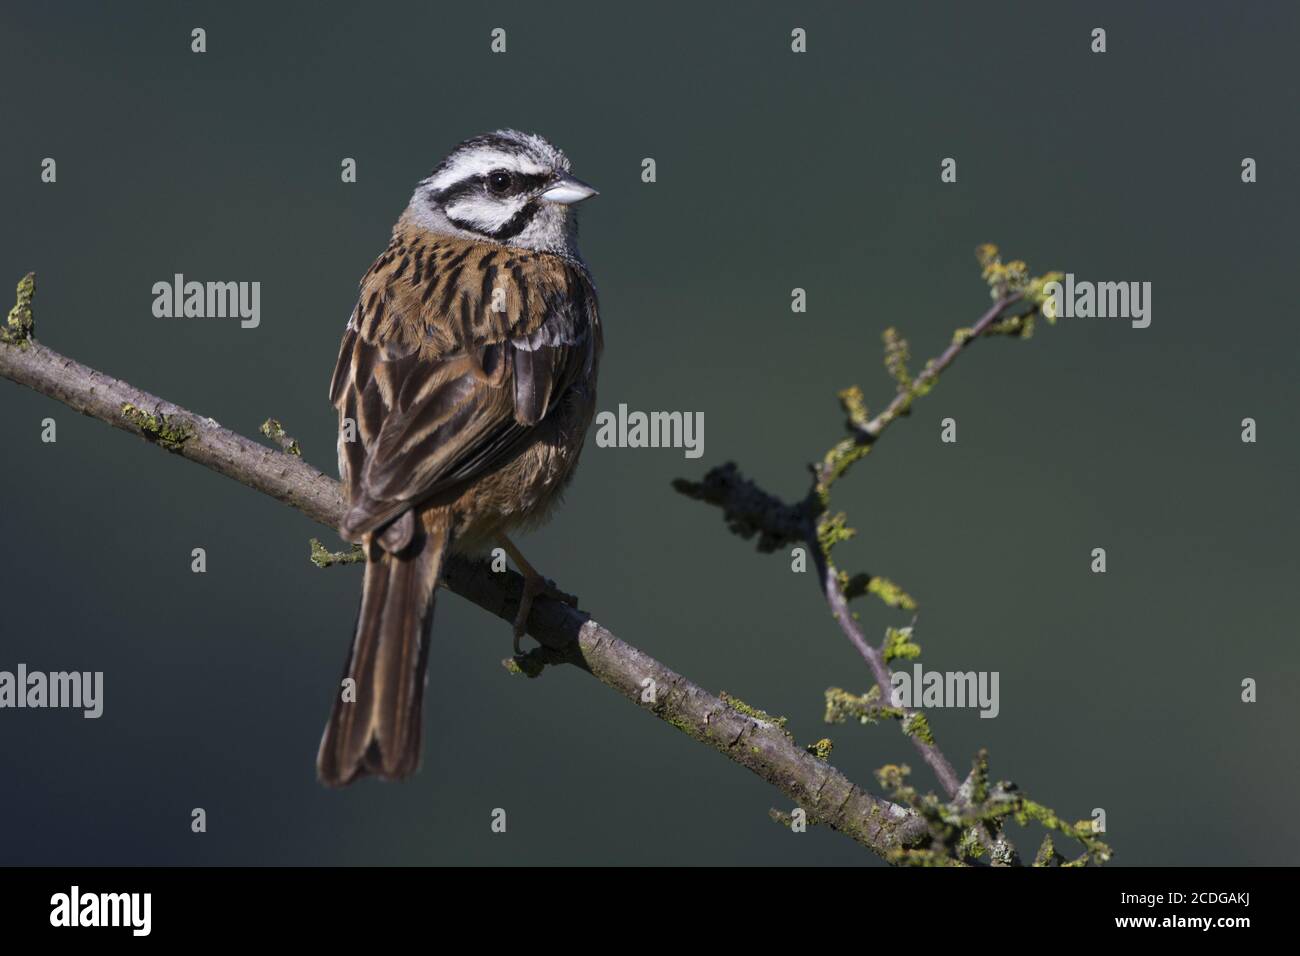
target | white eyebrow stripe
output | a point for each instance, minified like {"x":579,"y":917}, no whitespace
{"x":480,"y":162}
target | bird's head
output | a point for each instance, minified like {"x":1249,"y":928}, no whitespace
{"x":507,"y":187}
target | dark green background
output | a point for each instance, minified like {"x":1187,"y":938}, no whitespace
{"x":775,"y":170}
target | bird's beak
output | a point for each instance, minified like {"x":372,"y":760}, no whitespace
{"x":566,"y":190}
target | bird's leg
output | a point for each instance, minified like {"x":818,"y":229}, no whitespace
{"x":534,"y":585}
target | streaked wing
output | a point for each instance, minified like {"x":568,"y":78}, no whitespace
{"x":454,"y":354}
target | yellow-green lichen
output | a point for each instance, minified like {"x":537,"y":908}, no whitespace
{"x":897,"y":355}
{"x":322,"y":557}
{"x":899,"y":644}
{"x":891,"y":594}
{"x":527,"y":665}
{"x":273,"y":430}
{"x":917,"y":726}
{"x":169,"y":431}
{"x":821,"y":749}
{"x":1047,"y":855}
{"x":831,"y":530}
{"x":20,"y":324}
{"x":883,"y":588}
{"x":854,"y":404}
{"x":892,"y":776}
{"x":865,"y":709}
{"x":736,"y":704}
{"x":681,"y":723}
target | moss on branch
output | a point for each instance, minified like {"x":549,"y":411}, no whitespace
{"x":323,"y":557}
{"x":169,"y":431}
{"x":20,"y":325}
{"x":273,"y":430}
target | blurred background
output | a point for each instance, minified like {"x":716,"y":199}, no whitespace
{"x":775,"y":171}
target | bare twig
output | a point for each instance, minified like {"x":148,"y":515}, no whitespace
{"x":571,"y":636}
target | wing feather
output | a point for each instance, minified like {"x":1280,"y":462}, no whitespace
{"x":443,"y":382}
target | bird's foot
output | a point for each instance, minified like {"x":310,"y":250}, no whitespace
{"x":536,"y":586}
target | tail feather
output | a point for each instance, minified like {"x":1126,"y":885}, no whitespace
{"x":377,"y":729}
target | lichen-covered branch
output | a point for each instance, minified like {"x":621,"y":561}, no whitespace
{"x":1018,"y":300}
{"x":323,"y":557}
{"x":567,"y":635}
{"x":914,"y":724}
{"x":749,"y":510}
{"x":273,"y":430}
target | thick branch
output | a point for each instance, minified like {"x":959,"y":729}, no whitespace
{"x":570,"y":635}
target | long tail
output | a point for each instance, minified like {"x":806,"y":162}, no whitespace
{"x":374,"y":726}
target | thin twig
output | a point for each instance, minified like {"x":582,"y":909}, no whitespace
{"x":829,"y":576}
{"x":880,"y":672}
{"x":871,"y":431}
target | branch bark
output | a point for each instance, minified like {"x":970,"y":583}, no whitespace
{"x":567,"y":635}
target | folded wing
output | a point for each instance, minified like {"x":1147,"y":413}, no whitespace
{"x":455,"y":353}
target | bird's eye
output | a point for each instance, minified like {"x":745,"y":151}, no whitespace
{"x":499,"y":181}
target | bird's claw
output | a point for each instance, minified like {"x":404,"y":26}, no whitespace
{"x":536,"y":586}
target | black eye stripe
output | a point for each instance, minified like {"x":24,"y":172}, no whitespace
{"x":457,"y":190}
{"x":529,"y":181}
{"x":523,"y":182}
{"x":517,"y":224}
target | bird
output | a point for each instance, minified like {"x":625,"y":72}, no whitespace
{"x":465,"y":385}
